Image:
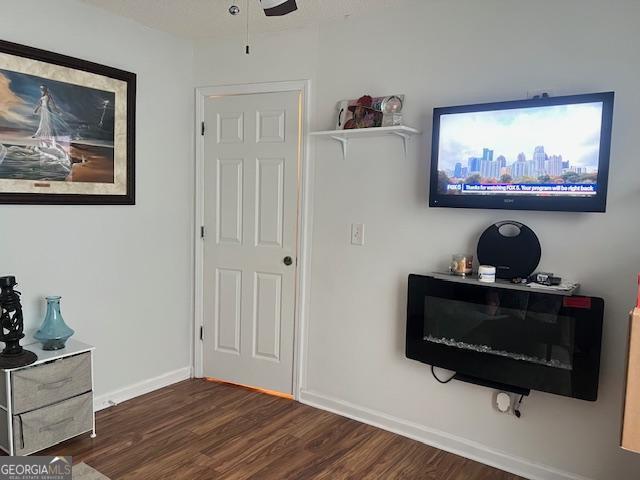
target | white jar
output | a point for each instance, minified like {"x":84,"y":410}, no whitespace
{"x":487,"y":273}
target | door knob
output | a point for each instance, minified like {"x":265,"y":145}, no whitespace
{"x":287,"y":260}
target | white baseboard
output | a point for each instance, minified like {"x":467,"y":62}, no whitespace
{"x":438,"y":439}
{"x":113,"y":398}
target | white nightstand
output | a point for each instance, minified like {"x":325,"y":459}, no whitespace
{"x":49,"y":401}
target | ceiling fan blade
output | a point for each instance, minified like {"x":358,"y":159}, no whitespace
{"x":278,"y":8}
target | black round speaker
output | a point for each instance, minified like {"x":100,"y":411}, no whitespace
{"x":511,"y":247}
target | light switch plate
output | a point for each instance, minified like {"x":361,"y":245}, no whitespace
{"x":357,"y":234}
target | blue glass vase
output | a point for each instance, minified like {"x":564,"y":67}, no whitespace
{"x":53,"y":332}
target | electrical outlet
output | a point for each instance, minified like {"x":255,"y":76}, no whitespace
{"x":503,"y":402}
{"x":357,"y":233}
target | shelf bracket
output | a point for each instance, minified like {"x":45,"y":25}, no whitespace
{"x":344,"y":143}
{"x":405,"y":138}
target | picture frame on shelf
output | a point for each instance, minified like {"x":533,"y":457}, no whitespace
{"x":370,"y":112}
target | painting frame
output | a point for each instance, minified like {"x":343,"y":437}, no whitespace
{"x":130,"y":80}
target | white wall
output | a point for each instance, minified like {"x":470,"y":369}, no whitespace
{"x":446,"y":53}
{"x":124,"y":272}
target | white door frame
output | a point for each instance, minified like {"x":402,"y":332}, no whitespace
{"x":305,"y":216}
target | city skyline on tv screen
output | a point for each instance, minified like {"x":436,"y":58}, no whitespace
{"x":538,"y":150}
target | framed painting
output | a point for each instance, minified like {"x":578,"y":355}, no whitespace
{"x":67,"y":129}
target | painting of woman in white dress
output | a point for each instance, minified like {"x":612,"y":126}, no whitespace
{"x":47,"y":110}
{"x":67,"y":135}
{"x":67,"y":129}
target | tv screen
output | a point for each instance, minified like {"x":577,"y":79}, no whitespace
{"x":549,"y":153}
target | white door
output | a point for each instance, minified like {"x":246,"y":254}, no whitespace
{"x":251,"y":152}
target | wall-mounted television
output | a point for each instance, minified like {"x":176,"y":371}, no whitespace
{"x":548,"y":153}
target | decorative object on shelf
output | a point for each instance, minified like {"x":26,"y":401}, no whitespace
{"x":545,"y":278}
{"x":391,"y":108}
{"x":487,"y":273}
{"x":361,"y":114}
{"x":53,"y":332}
{"x":69,"y":132}
{"x":461,"y":264}
{"x":370,"y":112}
{"x":11,"y":321}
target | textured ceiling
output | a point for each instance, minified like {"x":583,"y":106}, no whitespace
{"x":210,"y":18}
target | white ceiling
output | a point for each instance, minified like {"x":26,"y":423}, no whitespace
{"x":210,"y":18}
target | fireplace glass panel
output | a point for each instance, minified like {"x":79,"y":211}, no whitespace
{"x":505,"y":326}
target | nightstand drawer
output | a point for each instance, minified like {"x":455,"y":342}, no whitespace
{"x":50,"y":383}
{"x":38,"y":429}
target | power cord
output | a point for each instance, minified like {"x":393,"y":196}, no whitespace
{"x":516,"y":409}
{"x":433,"y":372}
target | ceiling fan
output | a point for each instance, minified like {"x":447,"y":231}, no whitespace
{"x":272,"y":8}
{"x":278,"y":8}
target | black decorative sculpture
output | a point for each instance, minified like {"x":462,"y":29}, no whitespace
{"x":12,"y":323}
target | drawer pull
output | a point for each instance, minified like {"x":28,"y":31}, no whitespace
{"x":56,"y":425}
{"x":21,"y":432}
{"x":54,"y":385}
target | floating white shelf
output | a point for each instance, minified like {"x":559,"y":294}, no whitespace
{"x":343,"y":136}
{"x":570,"y":289}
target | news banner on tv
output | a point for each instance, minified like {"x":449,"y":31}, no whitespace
{"x":573,"y":189}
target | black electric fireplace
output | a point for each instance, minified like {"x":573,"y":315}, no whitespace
{"x":499,"y":336}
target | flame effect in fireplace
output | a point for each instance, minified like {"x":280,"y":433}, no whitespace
{"x":487,"y":349}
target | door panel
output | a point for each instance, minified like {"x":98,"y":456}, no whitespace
{"x":251,"y":196}
{"x":270,"y":201}
{"x":270,"y":126}
{"x":230,"y":127}
{"x":228,"y":298}
{"x":229,"y":228}
{"x":267,"y":315}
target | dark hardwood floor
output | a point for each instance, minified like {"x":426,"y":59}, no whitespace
{"x":204,"y":430}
